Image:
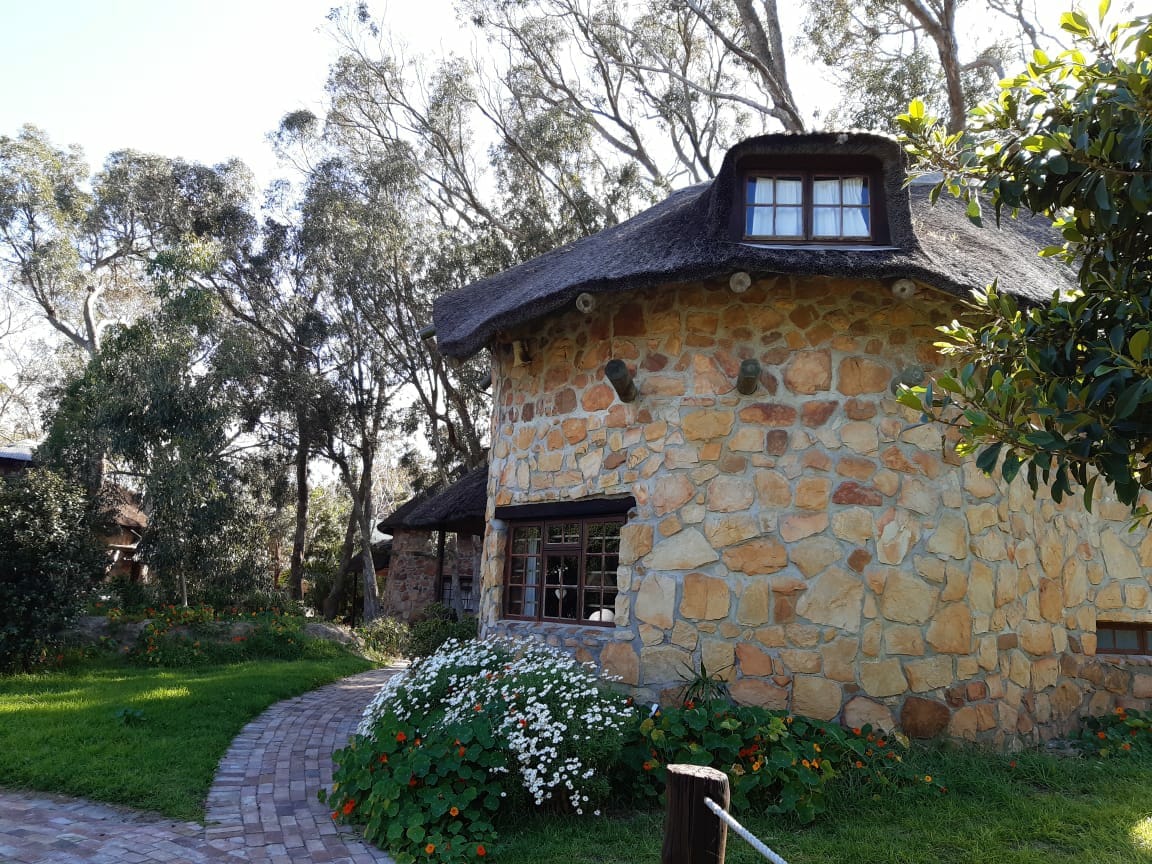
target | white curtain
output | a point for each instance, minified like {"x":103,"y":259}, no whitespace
{"x":789,"y":212}
{"x":855,"y":207}
{"x":759,"y":218}
{"x":826,"y":208}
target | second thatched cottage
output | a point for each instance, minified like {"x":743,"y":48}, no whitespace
{"x":697,"y":458}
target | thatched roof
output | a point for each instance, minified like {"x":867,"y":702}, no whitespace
{"x":687,"y":237}
{"x":457,"y":507}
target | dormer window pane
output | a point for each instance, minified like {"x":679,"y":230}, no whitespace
{"x":840,"y":207}
{"x":774,"y":207}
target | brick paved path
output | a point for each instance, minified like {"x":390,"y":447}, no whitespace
{"x":262,"y":805}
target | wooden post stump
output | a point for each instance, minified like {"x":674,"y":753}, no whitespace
{"x":693,"y":834}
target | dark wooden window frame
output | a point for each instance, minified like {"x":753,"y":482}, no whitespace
{"x":1143,"y":637}
{"x":807,"y":168}
{"x":556,"y":550}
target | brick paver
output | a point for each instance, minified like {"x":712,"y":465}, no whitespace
{"x":262,"y":805}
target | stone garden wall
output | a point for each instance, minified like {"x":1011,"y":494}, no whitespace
{"x":833,"y":557}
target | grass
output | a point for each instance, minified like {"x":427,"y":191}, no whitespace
{"x":1045,"y":810}
{"x":143,"y":737}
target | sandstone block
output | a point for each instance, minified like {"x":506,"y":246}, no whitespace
{"x":1045,"y":673}
{"x":707,"y":424}
{"x":796,"y":527}
{"x":950,"y":537}
{"x":923,"y":718}
{"x":834,"y":599}
{"x":1036,"y":638}
{"x":816,"y":697}
{"x":796,"y":660}
{"x":964,"y":724}
{"x":812,"y":493}
{"x":728,"y":529}
{"x":813,"y":554}
{"x":756,"y":557}
{"x":728,"y":493}
{"x":598,"y":397}
{"x":808,"y":372}
{"x":635,"y":542}
{"x":685,"y":635}
{"x":851,"y":492}
{"x":664,"y":664}
{"x":753,"y":691}
{"x":859,"y":712}
{"x":683,"y":551}
{"x":620,"y":660}
{"x":951,"y":630}
{"x":752,"y":661}
{"x":704,"y":597}
{"x":755,"y":607}
{"x":768,"y":414}
{"x":883,"y":678}
{"x":931,"y":673}
{"x":840,"y":659}
{"x":816,"y":413}
{"x":773,"y":489}
{"x":859,"y":375}
{"x":860,"y":437}
{"x":903,"y":639}
{"x":671,"y":491}
{"x":655,"y":600}
{"x":855,"y":525}
{"x":718,"y":657}
{"x":907,"y":599}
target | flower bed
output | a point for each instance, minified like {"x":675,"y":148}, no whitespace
{"x":475,"y":730}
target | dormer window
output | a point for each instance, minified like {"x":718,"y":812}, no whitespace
{"x":812,"y":201}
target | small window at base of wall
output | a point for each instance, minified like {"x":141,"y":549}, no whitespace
{"x":1113,"y":637}
{"x":563,"y":569}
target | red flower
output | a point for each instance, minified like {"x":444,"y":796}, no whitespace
{"x":477,"y":707}
{"x":430,"y":848}
{"x":383,"y":758}
{"x":401,"y":737}
{"x":689,"y":705}
{"x":335,"y":815}
{"x":647,"y":766}
{"x":455,"y":811}
{"x":349,"y":806}
{"x":481,"y":851}
{"x":1101,"y":735}
{"x":461,"y":752}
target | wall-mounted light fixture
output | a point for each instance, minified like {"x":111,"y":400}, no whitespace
{"x":749,"y":378}
{"x":910,"y":376}
{"x":904,"y":289}
{"x":739,"y":282}
{"x":585,"y":302}
{"x":621,"y":380}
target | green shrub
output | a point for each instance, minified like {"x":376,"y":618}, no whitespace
{"x":1121,"y":733}
{"x":438,"y":625}
{"x":50,"y":559}
{"x":386,"y":637}
{"x":775,"y":763}
{"x":197,"y":635}
{"x":471,"y":732}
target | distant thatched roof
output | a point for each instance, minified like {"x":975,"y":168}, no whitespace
{"x":457,"y":507}
{"x":124,"y":508}
{"x":687,"y":237}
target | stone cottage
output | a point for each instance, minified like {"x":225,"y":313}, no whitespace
{"x":697,"y":458}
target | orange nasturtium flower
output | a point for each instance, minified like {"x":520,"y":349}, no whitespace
{"x":349,"y":806}
{"x":481,"y":851}
{"x":383,"y":758}
{"x":335,"y":815}
{"x":1101,"y":735}
{"x":401,"y":737}
{"x":455,"y":811}
{"x":430,"y":848}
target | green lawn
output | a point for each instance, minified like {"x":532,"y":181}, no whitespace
{"x":1046,"y":810}
{"x":60,"y":731}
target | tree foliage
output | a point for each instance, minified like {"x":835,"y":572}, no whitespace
{"x":1062,"y":390}
{"x":49,"y":560}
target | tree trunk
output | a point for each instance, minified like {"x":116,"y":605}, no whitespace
{"x":299,"y":538}
{"x":363,"y":508}
{"x":334,"y":602}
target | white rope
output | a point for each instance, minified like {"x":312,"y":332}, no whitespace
{"x":750,"y":838}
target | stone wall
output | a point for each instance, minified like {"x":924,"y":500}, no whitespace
{"x":814,"y":541}
{"x":411,"y":584}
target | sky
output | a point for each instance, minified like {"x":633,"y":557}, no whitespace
{"x":206,"y":80}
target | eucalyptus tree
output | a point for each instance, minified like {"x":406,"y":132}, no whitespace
{"x":883,"y":53}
